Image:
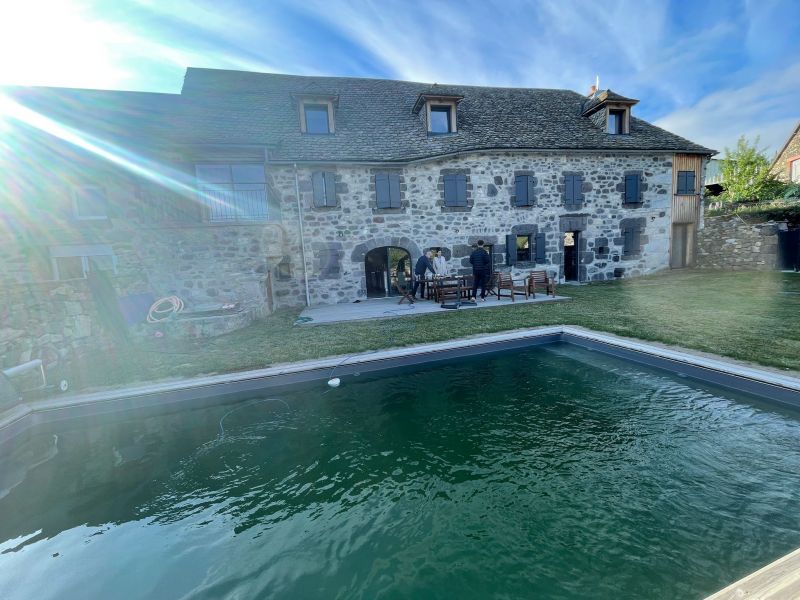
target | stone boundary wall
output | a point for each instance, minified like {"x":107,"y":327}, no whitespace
{"x":730,"y":243}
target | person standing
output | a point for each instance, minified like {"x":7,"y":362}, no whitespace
{"x":481,"y":269}
{"x":423,"y":265}
{"x":440,"y":264}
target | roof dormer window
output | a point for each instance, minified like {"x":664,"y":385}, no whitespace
{"x":440,"y":111}
{"x":616,"y":121}
{"x":440,"y":117}
{"x":316,"y":113}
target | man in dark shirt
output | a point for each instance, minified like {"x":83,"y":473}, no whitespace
{"x":481,"y":269}
{"x":423,"y":264}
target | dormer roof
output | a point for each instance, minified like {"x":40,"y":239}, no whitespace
{"x":436,"y":92}
{"x":603,"y":97}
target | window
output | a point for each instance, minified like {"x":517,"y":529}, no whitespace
{"x":316,"y":118}
{"x":440,"y":119}
{"x":616,"y":121}
{"x":234,"y":192}
{"x":76,"y":262}
{"x":573,"y":196}
{"x":524,"y":187}
{"x":89,"y":203}
{"x":633,"y":189}
{"x":323,"y":185}
{"x":794,"y":171}
{"x":523,"y":248}
{"x":455,"y":189}
{"x":685,"y":182}
{"x":387,"y":190}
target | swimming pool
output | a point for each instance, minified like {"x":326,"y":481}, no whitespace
{"x":553,"y":472}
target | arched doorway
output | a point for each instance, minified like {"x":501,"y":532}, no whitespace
{"x":380,"y":267}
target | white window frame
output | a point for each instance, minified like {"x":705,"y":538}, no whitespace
{"x":76,"y":213}
{"x":84,"y":252}
{"x":794,"y":171}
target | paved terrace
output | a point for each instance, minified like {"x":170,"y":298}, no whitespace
{"x":382,"y":308}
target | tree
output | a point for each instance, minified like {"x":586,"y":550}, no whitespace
{"x":745,"y":174}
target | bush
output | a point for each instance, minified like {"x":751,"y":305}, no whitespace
{"x":792,"y":191}
{"x":746,"y":175}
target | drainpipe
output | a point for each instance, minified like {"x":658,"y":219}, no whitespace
{"x":302,"y":234}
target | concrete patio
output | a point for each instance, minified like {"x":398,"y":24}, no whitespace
{"x":384,"y":308}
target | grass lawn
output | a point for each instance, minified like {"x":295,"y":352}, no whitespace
{"x":748,"y":316}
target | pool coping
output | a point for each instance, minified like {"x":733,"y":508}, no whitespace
{"x":205,"y":390}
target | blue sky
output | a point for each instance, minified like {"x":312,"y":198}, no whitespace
{"x":710,"y":71}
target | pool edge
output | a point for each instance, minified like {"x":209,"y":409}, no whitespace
{"x":200,"y":391}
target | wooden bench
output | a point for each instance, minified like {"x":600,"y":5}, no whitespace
{"x":539,"y":279}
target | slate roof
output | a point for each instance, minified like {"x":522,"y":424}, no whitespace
{"x":374,"y":120}
{"x":128,"y":119}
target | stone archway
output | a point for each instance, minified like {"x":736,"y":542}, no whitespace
{"x":358,"y":256}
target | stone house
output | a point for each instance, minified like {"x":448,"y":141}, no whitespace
{"x":266,"y":191}
{"x":786,"y":165}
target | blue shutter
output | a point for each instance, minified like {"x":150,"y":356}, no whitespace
{"x":461,"y":186}
{"x":394,"y":191}
{"x":541,"y":248}
{"x":572,"y":191}
{"x":531,"y":189}
{"x":382,"y":197}
{"x":521,"y":191}
{"x":330,"y":189}
{"x":450,"y":192}
{"x":690,"y":188}
{"x":681,"y":183}
{"x":318,"y":188}
{"x":568,"y":190}
{"x":511,"y":249}
{"x":632,"y":189}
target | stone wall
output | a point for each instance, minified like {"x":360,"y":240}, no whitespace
{"x":337,"y":238}
{"x":729,"y":243}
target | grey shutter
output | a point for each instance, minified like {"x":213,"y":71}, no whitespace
{"x":632,"y":189}
{"x":450,"y":191}
{"x":690,"y":189}
{"x":636,"y":241}
{"x":541,"y":248}
{"x":394,"y":191}
{"x":318,"y":188}
{"x":627,"y":243}
{"x":568,"y":190}
{"x":531,"y":189}
{"x":511,"y":249}
{"x":382,"y":197}
{"x":577,"y":195}
{"x":572,"y":191}
{"x":681,"y":182}
{"x":521,"y":191}
{"x":461,"y":186}
{"x":330,"y":189}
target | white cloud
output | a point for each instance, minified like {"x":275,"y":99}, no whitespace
{"x":766,"y":107}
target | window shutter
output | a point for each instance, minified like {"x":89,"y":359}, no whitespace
{"x":330,"y":189}
{"x":450,"y":192}
{"x":318,"y":188}
{"x":632,"y":189}
{"x":572,"y":191}
{"x":627,"y":244}
{"x":541,"y":248}
{"x":394,"y":191}
{"x":531,"y":190}
{"x":382,"y":196}
{"x":637,"y":241}
{"x":690,"y":189}
{"x":568,"y":191}
{"x":521,"y":191}
{"x":681,"y":182}
{"x":461,"y":186}
{"x":511,"y":249}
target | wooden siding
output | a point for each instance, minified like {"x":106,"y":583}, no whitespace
{"x":686,"y":208}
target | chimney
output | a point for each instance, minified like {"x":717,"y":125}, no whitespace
{"x":592,"y":90}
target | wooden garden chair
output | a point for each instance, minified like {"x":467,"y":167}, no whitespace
{"x":540,"y":280}
{"x":515,"y":287}
{"x":401,"y":285}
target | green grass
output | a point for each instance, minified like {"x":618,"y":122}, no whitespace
{"x":746,"y":316}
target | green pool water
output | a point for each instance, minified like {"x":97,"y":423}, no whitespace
{"x":549,"y":473}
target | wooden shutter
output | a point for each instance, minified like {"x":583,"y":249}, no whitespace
{"x":382,"y":194}
{"x":330,"y":189}
{"x":318,"y":188}
{"x":627,"y":241}
{"x":521,"y":191}
{"x":541,"y":248}
{"x":531,"y":190}
{"x":572,"y":191}
{"x":637,"y":241}
{"x":632,"y":189}
{"x":461,"y":187}
{"x":450,"y":191}
{"x":394,"y":190}
{"x":511,"y":249}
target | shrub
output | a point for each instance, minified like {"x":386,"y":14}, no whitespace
{"x":746,"y":175}
{"x":792,"y":191}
